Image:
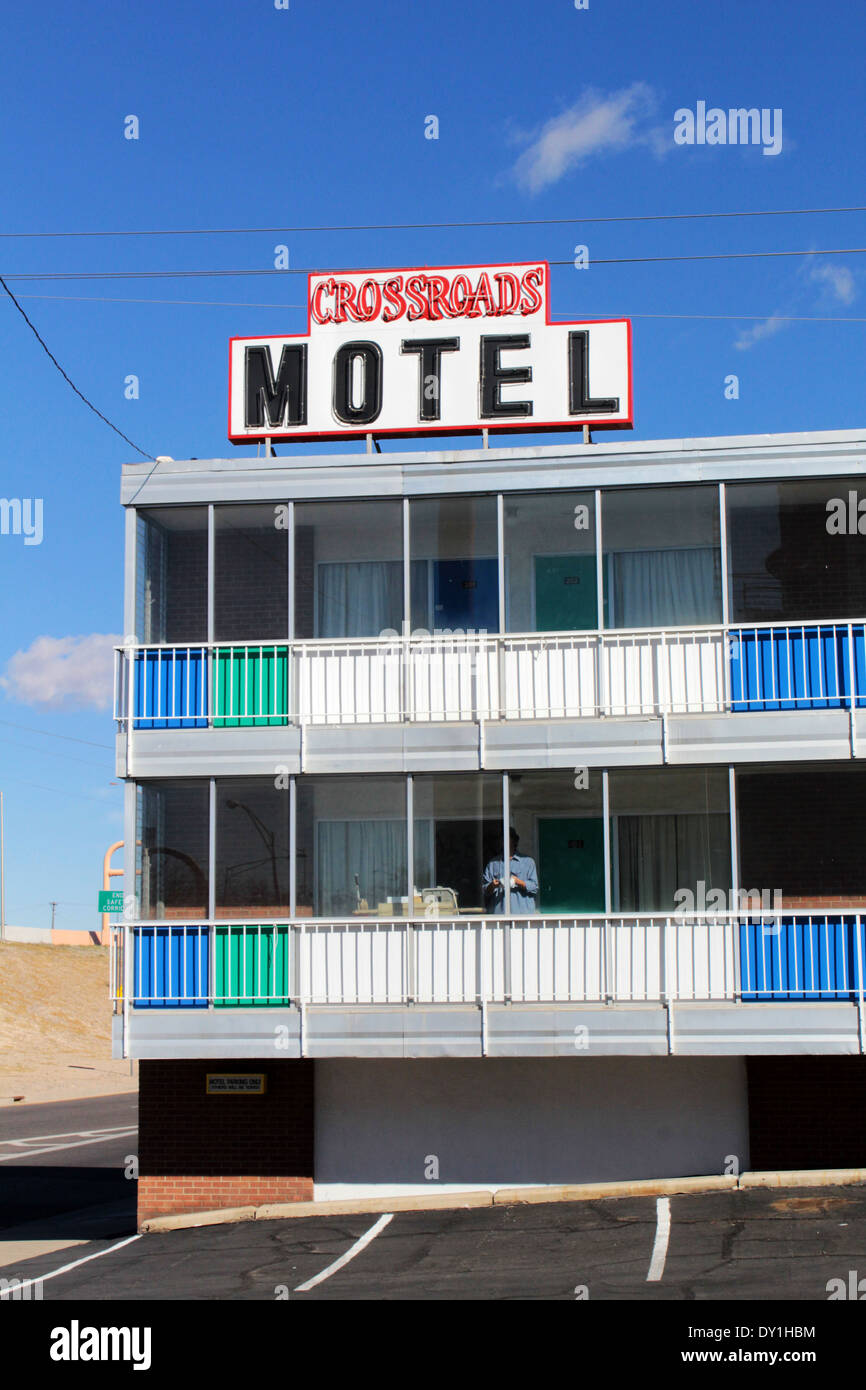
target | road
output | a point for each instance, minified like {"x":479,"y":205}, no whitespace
{"x":754,"y":1245}
{"x":62,"y":1177}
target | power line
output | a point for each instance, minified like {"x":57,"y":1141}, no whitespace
{"x":354,"y":270}
{"x":68,"y":379}
{"x":67,"y":738}
{"x":229,"y":304}
{"x":441,"y":226}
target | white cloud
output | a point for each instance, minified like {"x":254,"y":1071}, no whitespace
{"x":838,"y":279}
{"x":59,"y":672}
{"x":597,"y":123}
{"x":766,"y":329}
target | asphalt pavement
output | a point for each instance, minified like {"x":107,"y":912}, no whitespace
{"x":750,"y":1245}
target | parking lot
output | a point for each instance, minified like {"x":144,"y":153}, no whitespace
{"x":757,"y":1244}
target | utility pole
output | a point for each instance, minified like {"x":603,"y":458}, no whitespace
{"x":53,"y":906}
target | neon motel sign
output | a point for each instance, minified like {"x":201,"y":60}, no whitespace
{"x":456,"y":349}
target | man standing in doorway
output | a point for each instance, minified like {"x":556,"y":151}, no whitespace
{"x":523,"y":877}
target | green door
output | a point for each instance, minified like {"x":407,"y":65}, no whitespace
{"x":571,"y":864}
{"x":565,"y":593}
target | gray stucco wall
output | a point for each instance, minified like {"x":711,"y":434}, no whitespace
{"x":509,"y":1121}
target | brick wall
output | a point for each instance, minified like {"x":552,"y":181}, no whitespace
{"x":807,"y":1112}
{"x":251,"y":600}
{"x":199,"y":1152}
{"x":185,"y":587}
{"x":804,"y":832}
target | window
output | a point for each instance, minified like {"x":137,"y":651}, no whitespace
{"x":171,"y":575}
{"x":785,"y":565}
{"x":348,"y":569}
{"x":351,"y":846}
{"x":173,"y":850}
{"x":455,"y":573}
{"x":251,"y":602}
{"x":670,"y":830}
{"x":550,"y":562}
{"x":662,"y":561}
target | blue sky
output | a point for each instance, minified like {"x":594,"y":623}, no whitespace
{"x":254,"y":116}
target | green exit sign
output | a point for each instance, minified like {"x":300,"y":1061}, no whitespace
{"x":111,"y":901}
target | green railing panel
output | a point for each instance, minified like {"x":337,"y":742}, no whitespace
{"x":251,"y":686}
{"x":251,"y":966}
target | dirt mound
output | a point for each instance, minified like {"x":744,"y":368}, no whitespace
{"x":55,"y":1024}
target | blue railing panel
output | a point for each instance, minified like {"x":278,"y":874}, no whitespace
{"x":805,"y":667}
{"x":809,"y":957}
{"x":171,"y":966}
{"x":171,"y":688}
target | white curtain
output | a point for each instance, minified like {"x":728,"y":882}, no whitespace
{"x":360,"y":598}
{"x":665,"y":588}
{"x":375,"y":851}
{"x":660,"y":854}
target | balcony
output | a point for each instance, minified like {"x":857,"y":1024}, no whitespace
{"x":456,"y":678}
{"x":644,"y":982}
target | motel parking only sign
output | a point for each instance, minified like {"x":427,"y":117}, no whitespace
{"x":454,"y":350}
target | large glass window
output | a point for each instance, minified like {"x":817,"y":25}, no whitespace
{"x":172,"y":853}
{"x":662,"y":561}
{"x":670,"y":830}
{"x":348,"y":568}
{"x":351,"y":846}
{"x":457,"y":832}
{"x":171,"y":575}
{"x":455,"y":572}
{"x":558,"y":816}
{"x":793,"y":554}
{"x":252,"y":849}
{"x":802,"y":831}
{"x":251,"y":601}
{"x":550,"y":564}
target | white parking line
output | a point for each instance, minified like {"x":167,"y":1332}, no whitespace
{"x":64,"y":1269}
{"x":350,"y":1254}
{"x":24,"y":1152}
{"x":660,"y":1244}
{"x":67,"y":1134}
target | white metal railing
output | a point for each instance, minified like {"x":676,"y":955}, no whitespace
{"x":582,"y":958}
{"x":744,"y":957}
{"x":433,"y":679}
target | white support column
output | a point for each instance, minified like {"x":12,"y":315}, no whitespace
{"x":293,"y":846}
{"x":735,"y":847}
{"x":500,"y":556}
{"x":410,"y":839}
{"x":605,"y":811}
{"x":211,"y":886}
{"x":599,"y":562}
{"x":735,"y":877}
{"x":506,"y":841}
{"x":210,"y":662}
{"x":723,"y":547}
{"x":600,"y":692}
{"x":290,"y":624}
{"x":406,"y":625}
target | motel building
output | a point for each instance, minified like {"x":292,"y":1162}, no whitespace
{"x":348,"y":676}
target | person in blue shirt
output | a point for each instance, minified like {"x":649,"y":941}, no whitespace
{"x":524,"y":882}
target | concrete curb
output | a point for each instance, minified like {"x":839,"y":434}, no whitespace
{"x":509,"y":1196}
{"x":816,"y":1177}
